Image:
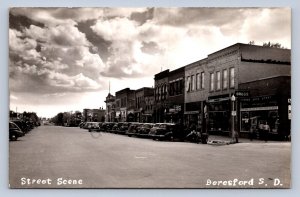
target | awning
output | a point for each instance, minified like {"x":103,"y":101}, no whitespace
{"x":191,"y":112}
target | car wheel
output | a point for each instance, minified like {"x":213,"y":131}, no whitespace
{"x":13,"y":138}
{"x":204,"y":140}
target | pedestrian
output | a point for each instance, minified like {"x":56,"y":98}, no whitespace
{"x":266,"y":129}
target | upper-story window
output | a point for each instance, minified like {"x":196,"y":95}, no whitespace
{"x":231,"y":72}
{"x":218,"y":73}
{"x":225,"y":79}
{"x":193,"y":79}
{"x":212,"y":82}
{"x":188,"y":84}
{"x":198,"y":81}
{"x":202,"y":80}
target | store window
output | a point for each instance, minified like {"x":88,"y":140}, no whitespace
{"x":231,"y":70}
{"x":218,"y":73}
{"x":212,"y":79}
{"x":225,"y":79}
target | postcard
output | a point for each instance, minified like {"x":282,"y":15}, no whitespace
{"x":150,"y":97}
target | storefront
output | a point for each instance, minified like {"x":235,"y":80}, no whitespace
{"x":265,"y":109}
{"x":192,"y":114}
{"x":219,"y":114}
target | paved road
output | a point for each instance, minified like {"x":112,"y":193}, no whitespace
{"x":49,"y":153}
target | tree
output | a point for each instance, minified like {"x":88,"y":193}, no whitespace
{"x":252,"y":42}
{"x":273,"y":45}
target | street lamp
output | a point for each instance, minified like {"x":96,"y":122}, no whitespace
{"x":233,"y":114}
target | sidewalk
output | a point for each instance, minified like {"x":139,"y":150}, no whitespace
{"x":222,"y":140}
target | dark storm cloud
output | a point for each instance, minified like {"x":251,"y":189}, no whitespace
{"x":21,"y":22}
{"x":101,"y":44}
{"x":142,"y":17}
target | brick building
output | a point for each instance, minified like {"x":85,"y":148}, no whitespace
{"x":110,"y":112}
{"x":196,"y":92}
{"x":93,"y":115}
{"x":161,"y":96}
{"x":175,"y":107}
{"x":143,"y":106}
{"x":243,"y":67}
{"x":125,"y":105}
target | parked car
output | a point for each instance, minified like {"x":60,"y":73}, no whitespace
{"x":132,"y":130}
{"x":115,"y":128}
{"x":123,"y":128}
{"x":144,"y":129}
{"x":107,"y":126}
{"x":81,"y":125}
{"x":92,"y":126}
{"x":167,"y":131}
{"x":22,"y":125}
{"x":14,"y":131}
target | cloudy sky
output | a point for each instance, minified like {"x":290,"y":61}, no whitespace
{"x":62,"y":59}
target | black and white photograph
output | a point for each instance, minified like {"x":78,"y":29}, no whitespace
{"x":150,"y":97}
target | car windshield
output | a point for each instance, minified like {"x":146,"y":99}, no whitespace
{"x":13,"y":126}
{"x":148,"y":126}
{"x":163,"y":126}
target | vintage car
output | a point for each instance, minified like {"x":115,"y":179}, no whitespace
{"x":107,"y":126}
{"x":132,"y":130}
{"x":92,"y":126}
{"x":14,"y":131}
{"x":144,"y":129}
{"x":123,"y":128}
{"x":22,"y":125}
{"x":162,"y":131}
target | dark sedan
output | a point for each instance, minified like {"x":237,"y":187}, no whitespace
{"x":163,"y":131}
{"x":14,"y":131}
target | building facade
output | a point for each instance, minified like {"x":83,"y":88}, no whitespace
{"x":110,"y":112}
{"x":161,"y":96}
{"x":233,"y":89}
{"x":175,"y":107}
{"x":93,"y":115}
{"x":236,"y":69}
{"x":142,"y":108}
{"x":196,"y":92}
{"x":125,"y":105}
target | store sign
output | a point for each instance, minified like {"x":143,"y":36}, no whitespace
{"x":242,"y":93}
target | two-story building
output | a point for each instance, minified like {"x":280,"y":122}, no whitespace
{"x":161,"y":96}
{"x":176,"y":93}
{"x":251,"y":73}
{"x":125,"y":105}
{"x":196,"y":92}
{"x":142,"y":108}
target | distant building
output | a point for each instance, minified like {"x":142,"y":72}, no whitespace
{"x":125,"y":105}
{"x":144,"y":104}
{"x":110,"y":113}
{"x":94,"y":115}
{"x":161,"y":97}
{"x":175,"y":108}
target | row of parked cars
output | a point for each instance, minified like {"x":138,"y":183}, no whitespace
{"x":18,"y":128}
{"x":156,"y":131}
